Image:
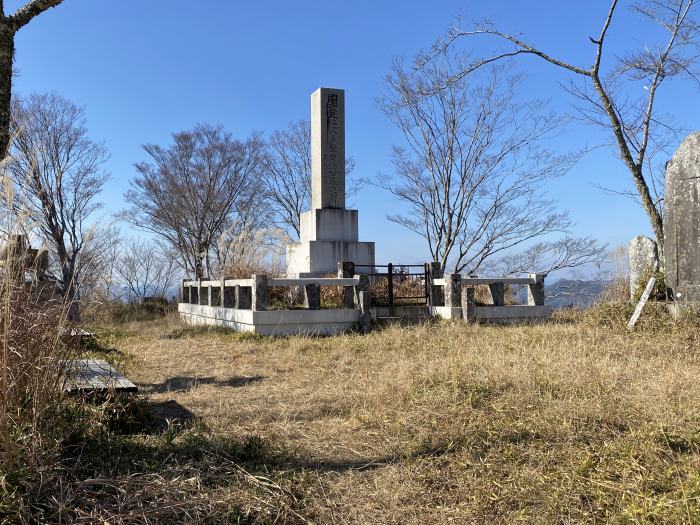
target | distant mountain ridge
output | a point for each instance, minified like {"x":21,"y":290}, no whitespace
{"x":565,"y":293}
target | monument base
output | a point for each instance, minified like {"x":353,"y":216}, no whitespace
{"x":329,"y":224}
{"x":316,"y":258}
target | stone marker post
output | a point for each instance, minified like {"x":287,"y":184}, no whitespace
{"x":643,"y":255}
{"x":682,"y":221}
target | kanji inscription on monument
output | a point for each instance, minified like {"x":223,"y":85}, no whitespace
{"x":328,"y":148}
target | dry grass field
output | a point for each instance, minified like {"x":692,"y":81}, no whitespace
{"x":573,"y":421}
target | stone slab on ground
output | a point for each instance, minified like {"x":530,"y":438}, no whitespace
{"x":96,"y":376}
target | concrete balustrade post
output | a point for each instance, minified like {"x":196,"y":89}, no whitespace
{"x":312,"y":297}
{"x":347,"y":270}
{"x":201,"y":300}
{"x":363,"y":302}
{"x":242,"y":295}
{"x":469,"y":304}
{"x":535,"y":290}
{"x":453,"y":290}
{"x":259,"y":293}
{"x":436,"y":292}
{"x":497,"y":294}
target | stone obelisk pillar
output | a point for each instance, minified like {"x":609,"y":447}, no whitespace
{"x":328,"y":149}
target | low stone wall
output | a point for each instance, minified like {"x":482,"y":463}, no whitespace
{"x":272,"y":322}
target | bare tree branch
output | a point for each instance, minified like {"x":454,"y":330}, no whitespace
{"x":192,"y":190}
{"x":24,"y":14}
{"x":57,"y":170}
{"x":633,"y":124}
{"x":473,"y":169}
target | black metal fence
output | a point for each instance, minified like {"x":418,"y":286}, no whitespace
{"x":397,"y":284}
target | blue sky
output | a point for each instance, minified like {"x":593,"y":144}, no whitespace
{"x":145,"y":68}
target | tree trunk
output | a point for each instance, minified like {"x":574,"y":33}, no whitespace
{"x":70,"y":293}
{"x":7,"y":50}
{"x":198,"y":266}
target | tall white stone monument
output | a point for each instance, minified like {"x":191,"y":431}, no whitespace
{"x":328,"y":232}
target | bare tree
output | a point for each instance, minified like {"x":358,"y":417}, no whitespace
{"x":191,"y":191}
{"x":145,"y":269}
{"x":287,"y":169}
{"x":473,"y":171}
{"x":95,"y":274}
{"x":57,"y":171}
{"x":9,"y":25}
{"x":634,"y":124}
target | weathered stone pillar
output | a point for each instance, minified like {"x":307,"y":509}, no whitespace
{"x":453,"y":290}
{"x":497,"y":294}
{"x":312,"y":297}
{"x":200,"y":299}
{"x":682,"y":221}
{"x":643,"y":255}
{"x":259,"y":293}
{"x":435,"y":293}
{"x":345,"y":271}
{"x":469,"y":304}
{"x":535,"y":291}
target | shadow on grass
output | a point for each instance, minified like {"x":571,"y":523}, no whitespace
{"x":181,"y":384}
{"x":194,"y":331}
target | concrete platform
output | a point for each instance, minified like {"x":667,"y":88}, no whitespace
{"x":511,"y":314}
{"x":273,"y":322}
